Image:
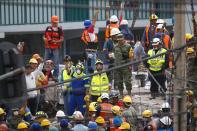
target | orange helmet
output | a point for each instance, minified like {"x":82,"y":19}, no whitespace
{"x":36,"y":56}
{"x":54,"y":19}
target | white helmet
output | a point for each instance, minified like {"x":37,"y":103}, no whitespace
{"x":124,"y":22}
{"x":105,"y":96}
{"x":165,"y":105}
{"x":160,"y":21}
{"x":60,"y":113}
{"x":160,"y":26}
{"x":77,"y":115}
{"x":156,"y":41}
{"x":113,"y":18}
{"x":166,"y":120}
{"x":115,"y":31}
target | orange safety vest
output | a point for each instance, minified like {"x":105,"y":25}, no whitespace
{"x":108,"y":30}
{"x":106,"y":110}
{"x":86,"y":38}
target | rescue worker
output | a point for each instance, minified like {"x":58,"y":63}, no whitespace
{"x":129,"y":113}
{"x":149,"y":32}
{"x":66,"y":74}
{"x":165,"y":124}
{"x":58,"y":117}
{"x":116,"y":123}
{"x":53,"y":38}
{"x":99,"y":83}
{"x":117,"y":119}
{"x":15,"y":118}
{"x":123,"y":55}
{"x":2,"y":115}
{"x":25,"y":113}
{"x":40,"y":61}
{"x":147,"y":120}
{"x":163,"y":22}
{"x":64,"y":125}
{"x":90,"y":40}
{"x":78,"y":118}
{"x":40,"y":115}
{"x":78,"y":91}
{"x":104,"y":109}
{"x":113,"y":24}
{"x":3,"y":127}
{"x":35,"y":127}
{"x":45,"y":123}
{"x":157,"y":68}
{"x":101,"y":123}
{"x":48,"y":70}
{"x":128,"y":35}
{"x":22,"y":126}
{"x":92,"y":126}
{"x":114,"y":98}
{"x":165,"y":108}
{"x":92,"y":111}
{"x":125,"y":127}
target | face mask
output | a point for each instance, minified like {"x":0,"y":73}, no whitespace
{"x":78,"y":71}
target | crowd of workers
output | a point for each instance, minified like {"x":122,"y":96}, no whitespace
{"x":92,"y":103}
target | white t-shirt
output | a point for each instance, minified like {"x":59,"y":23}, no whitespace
{"x":31,"y":83}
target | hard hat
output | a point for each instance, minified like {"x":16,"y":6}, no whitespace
{"x":54,"y":19}
{"x":35,"y":127}
{"x":188,"y":36}
{"x":113,"y":94}
{"x":3,"y":127}
{"x":160,"y":21}
{"x":147,"y":113}
{"x":77,"y":115}
{"x":40,"y":114}
{"x":53,"y":128}
{"x":104,"y":96}
{"x":165,"y":105}
{"x":93,"y":104}
{"x":60,"y":113}
{"x":116,"y":110}
{"x":67,"y":58}
{"x":166,"y":120}
{"x":115,"y":31}
{"x":124,"y":22}
{"x":190,"y":50}
{"x":189,"y":93}
{"x":2,"y":112}
{"x":87,"y":23}
{"x":153,"y":17}
{"x":99,"y":62}
{"x":36,"y":56}
{"x":125,"y":125}
{"x":160,"y":26}
{"x":156,"y":41}
{"x":45,"y":122}
{"x":113,"y":18}
{"x":22,"y":125}
{"x":127,"y":99}
{"x":79,"y":66}
{"x":87,"y":98}
{"x":100,"y":120}
{"x":120,"y":37}
{"x":64,"y":123}
{"x":117,"y":121}
{"x":99,"y":100}
{"x":92,"y":125}
{"x":92,"y":108}
{"x":33,"y":61}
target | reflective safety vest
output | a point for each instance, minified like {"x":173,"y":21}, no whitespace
{"x":155,"y":64}
{"x":66,"y":76}
{"x":108,"y":30}
{"x":86,"y":37}
{"x":106,"y":111}
{"x":99,"y":84}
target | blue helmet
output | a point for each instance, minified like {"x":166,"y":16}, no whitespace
{"x":35,"y":127}
{"x":87,"y":23}
{"x":64,"y":123}
{"x":92,"y":125}
{"x":117,"y":121}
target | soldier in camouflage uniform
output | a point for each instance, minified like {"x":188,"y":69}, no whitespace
{"x":122,"y":56}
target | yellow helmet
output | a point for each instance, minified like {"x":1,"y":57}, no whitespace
{"x":22,"y":125}
{"x":125,"y":125}
{"x":100,"y":120}
{"x":127,"y":99}
{"x":188,"y":36}
{"x":2,"y":112}
{"x":189,"y":93}
{"x":99,"y":100}
{"x":116,"y":110}
{"x":147,"y":113}
{"x":45,"y":122}
{"x":153,"y":17}
{"x":99,"y":62}
{"x":190,"y":50}
{"x":92,"y":106}
{"x":33,"y":61}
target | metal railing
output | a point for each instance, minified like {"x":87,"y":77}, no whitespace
{"x":17,"y":12}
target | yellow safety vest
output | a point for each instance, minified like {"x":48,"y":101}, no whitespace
{"x":99,"y":84}
{"x":156,"y":64}
{"x":66,"y":77}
